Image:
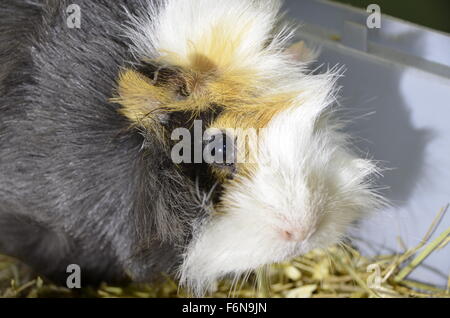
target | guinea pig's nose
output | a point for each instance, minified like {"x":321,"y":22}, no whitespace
{"x":297,"y":234}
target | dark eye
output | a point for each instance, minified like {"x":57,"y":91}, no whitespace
{"x":220,"y":150}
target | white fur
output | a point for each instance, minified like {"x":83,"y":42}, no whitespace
{"x":307,"y":182}
{"x":181,"y":27}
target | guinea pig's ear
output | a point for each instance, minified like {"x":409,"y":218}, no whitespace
{"x":144,"y":91}
{"x":301,"y":53}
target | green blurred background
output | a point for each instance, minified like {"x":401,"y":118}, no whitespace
{"x":431,"y":13}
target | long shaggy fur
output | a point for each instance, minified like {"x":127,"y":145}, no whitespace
{"x":86,"y":175}
{"x":75,"y":184}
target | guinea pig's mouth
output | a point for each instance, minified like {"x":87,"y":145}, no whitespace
{"x":232,"y":245}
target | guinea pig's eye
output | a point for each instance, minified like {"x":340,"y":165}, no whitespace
{"x":219,"y":150}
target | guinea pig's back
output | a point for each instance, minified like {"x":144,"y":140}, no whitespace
{"x":69,"y":166}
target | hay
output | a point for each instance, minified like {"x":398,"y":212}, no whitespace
{"x":340,"y":271}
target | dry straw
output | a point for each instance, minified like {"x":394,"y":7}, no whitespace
{"x":340,"y":271}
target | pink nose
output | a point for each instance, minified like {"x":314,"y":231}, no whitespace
{"x":296,"y":235}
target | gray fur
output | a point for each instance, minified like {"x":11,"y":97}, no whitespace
{"x":75,"y":184}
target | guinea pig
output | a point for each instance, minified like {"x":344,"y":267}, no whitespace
{"x":93,"y":167}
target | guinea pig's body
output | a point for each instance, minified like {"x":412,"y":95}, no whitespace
{"x":86,"y":168}
{"x":75,"y":187}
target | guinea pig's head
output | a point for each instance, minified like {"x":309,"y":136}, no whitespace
{"x":280,"y":178}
